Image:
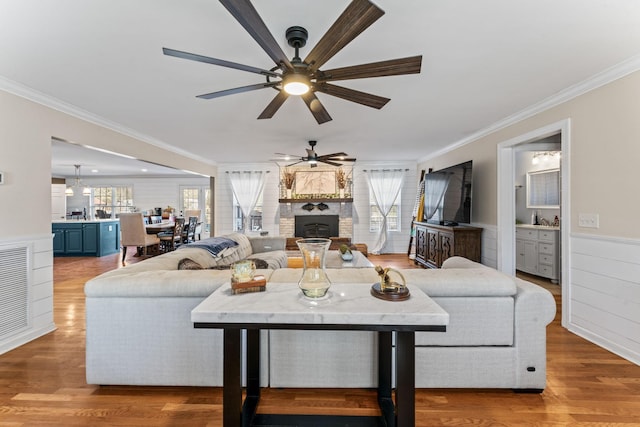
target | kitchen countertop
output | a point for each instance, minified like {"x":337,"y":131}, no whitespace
{"x":538,"y":227}
{"x":83,"y":221}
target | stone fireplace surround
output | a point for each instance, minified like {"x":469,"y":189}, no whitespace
{"x":289,"y":211}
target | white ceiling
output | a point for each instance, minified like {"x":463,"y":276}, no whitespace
{"x":483,"y":60}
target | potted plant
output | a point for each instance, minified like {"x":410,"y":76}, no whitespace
{"x":288,"y":178}
{"x":341,"y":180}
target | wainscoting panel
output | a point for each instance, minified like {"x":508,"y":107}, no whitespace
{"x":605,"y":293}
{"x":489,"y":251}
{"x":26,"y":288}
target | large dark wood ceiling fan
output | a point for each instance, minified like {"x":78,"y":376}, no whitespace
{"x":312,"y":158}
{"x":305,"y":75}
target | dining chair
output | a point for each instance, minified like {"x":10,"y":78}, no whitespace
{"x":133,"y":233}
{"x":188,"y":234}
{"x":197,"y":213}
{"x":171,"y":239}
{"x":156,"y":219}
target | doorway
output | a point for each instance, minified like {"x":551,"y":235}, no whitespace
{"x":506,"y":240}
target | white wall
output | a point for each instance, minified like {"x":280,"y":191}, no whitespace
{"x":604,"y":134}
{"x":26,"y":129}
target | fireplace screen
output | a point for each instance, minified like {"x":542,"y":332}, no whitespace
{"x":317,"y":226}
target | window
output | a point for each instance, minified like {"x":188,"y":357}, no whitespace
{"x":197,"y":197}
{"x":375,"y":217}
{"x":112,"y":200}
{"x":255,"y":220}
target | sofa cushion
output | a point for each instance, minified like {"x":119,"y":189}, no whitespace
{"x":267,"y":244}
{"x":274,"y":259}
{"x":480,"y":281}
{"x":473,"y":321}
{"x":157,"y":284}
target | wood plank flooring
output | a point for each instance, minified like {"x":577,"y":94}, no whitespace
{"x":42,"y":383}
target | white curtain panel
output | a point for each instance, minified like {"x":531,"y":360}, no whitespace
{"x":247,"y":187}
{"x":435,"y":186}
{"x":385,"y":185}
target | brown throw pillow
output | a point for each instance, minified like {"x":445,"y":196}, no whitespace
{"x":188,"y":264}
{"x":260,"y":263}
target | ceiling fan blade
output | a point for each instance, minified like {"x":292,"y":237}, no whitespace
{"x":290,"y":156}
{"x":233,"y":91}
{"x":274,"y":105}
{"x":317,"y":109}
{"x":216,"y":61}
{"x":356,"y":18}
{"x":248,"y":17}
{"x":329,"y":156}
{"x":392,"y":67}
{"x":329,"y":162}
{"x":353,"y":95}
{"x":293,"y":164}
{"x":346,"y":159}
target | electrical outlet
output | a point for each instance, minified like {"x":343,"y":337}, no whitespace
{"x":588,"y":220}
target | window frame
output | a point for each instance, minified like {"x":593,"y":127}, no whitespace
{"x":376,"y":224}
{"x":111,"y":195}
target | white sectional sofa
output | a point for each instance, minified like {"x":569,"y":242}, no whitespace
{"x":139,"y":330}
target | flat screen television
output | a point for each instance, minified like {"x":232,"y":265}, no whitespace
{"x":447,"y":195}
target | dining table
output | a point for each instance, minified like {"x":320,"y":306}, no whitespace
{"x":159,"y":227}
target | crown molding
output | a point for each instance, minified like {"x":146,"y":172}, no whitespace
{"x":618,"y":71}
{"x":26,"y":92}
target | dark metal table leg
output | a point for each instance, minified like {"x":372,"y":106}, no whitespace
{"x":405,"y":379}
{"x":253,"y":377}
{"x":385,"y":400}
{"x":232,"y":386}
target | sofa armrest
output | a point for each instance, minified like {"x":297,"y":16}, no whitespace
{"x":267,"y":244}
{"x":535,"y":308}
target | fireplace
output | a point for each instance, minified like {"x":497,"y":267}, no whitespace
{"x":317,"y":226}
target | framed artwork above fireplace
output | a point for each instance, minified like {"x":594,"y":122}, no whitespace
{"x":315,"y":182}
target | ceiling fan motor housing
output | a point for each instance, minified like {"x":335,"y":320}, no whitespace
{"x":297,"y":36}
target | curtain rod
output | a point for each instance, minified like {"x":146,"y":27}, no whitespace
{"x":384,"y":170}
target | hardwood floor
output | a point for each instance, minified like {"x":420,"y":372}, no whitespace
{"x":42,"y":383}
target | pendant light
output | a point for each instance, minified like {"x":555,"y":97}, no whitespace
{"x":86,"y":191}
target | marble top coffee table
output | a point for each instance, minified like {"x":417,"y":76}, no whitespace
{"x":347,"y":307}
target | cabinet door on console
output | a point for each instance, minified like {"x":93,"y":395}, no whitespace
{"x":446,"y":246}
{"x":421,"y":244}
{"x":433,"y":252}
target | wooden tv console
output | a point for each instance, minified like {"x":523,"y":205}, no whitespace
{"x":436,"y":243}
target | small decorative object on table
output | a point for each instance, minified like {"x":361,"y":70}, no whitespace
{"x":345,"y":253}
{"x":243,"y":278}
{"x":314,"y":282}
{"x":387,"y":289}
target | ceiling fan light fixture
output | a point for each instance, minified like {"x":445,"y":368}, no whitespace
{"x":296,"y":84}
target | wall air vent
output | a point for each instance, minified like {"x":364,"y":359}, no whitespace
{"x":14,"y":285}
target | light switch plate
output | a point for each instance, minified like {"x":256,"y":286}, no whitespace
{"x":588,"y":220}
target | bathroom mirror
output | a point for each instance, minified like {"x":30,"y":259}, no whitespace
{"x":543,"y":189}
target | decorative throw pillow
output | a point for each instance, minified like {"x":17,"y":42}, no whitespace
{"x":188,"y":264}
{"x":260,"y":263}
